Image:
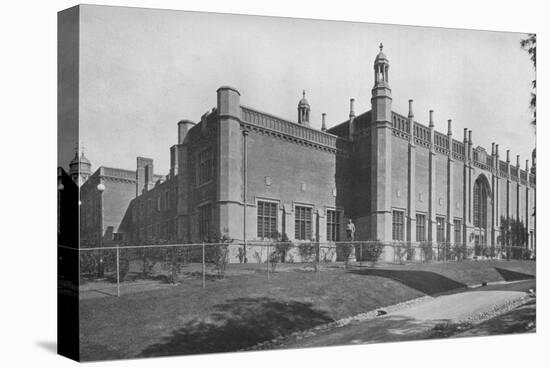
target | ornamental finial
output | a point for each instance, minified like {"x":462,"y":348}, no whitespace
{"x":304,"y":93}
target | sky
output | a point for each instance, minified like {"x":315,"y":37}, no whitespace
{"x":143,"y":70}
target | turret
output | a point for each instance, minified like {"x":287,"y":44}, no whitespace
{"x":381,"y":92}
{"x":303,"y":110}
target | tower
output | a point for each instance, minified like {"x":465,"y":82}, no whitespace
{"x":381,"y":152}
{"x":303,"y":110}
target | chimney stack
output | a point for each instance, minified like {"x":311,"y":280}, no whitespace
{"x":508,"y":156}
{"x":351,"y":107}
{"x":450,"y":128}
{"x":431,"y":118}
{"x":411,"y":114}
{"x":323,"y":126}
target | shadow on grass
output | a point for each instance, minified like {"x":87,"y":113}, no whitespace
{"x":509,"y":275}
{"x":238,"y":324}
{"x":424,"y":281}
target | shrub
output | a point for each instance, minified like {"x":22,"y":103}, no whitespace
{"x":282,"y":246}
{"x":426,"y":250}
{"x":218,"y":254}
{"x":344,"y":250}
{"x":307,"y":251}
{"x":459,"y":251}
{"x":444,"y":252}
{"x":372,"y":251}
{"x":403,"y":251}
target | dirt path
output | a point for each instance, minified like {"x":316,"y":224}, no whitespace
{"x":441,"y":316}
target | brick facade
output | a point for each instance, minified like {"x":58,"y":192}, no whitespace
{"x":366,"y":168}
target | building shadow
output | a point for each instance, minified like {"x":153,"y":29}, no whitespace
{"x":237,"y":324}
{"x":509,"y":275}
{"x":424,"y":281}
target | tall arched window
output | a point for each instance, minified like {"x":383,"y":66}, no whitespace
{"x":481,"y":194}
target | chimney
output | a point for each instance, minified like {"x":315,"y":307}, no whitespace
{"x":351,"y":107}
{"x":183,"y":128}
{"x":517,"y":161}
{"x":323,"y":126}
{"x":411,"y":114}
{"x":465,"y":136}
{"x":527,"y":165}
{"x":351,"y":128}
{"x":492,"y":148}
{"x":470,"y":137}
{"x":144,"y":175}
{"x":449,"y":128}
{"x":496,"y":150}
{"x":508,"y":156}
{"x":431,"y":119}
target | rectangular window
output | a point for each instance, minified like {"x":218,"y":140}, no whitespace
{"x":204,"y":221}
{"x":458,"y":230}
{"x":440,"y":232}
{"x":420,"y":227}
{"x":206,"y":166}
{"x":267,"y":219}
{"x":398,"y":225}
{"x":302,"y":223}
{"x":333,"y":225}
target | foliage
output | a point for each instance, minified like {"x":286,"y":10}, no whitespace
{"x":218,"y":254}
{"x":345,"y":249}
{"x":426,"y":250}
{"x":444,"y":252}
{"x":372,"y":251}
{"x":307,"y":251}
{"x":282,"y":246}
{"x":403,"y":251}
{"x":513,"y":237}
{"x":460,"y":251}
{"x":530,"y":45}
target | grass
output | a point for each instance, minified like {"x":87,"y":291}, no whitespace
{"x":245,"y":308}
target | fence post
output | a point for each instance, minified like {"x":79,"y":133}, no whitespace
{"x":117,"y":271}
{"x":267,"y":261}
{"x":203,"y":267}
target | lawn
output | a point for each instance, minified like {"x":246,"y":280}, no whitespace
{"x":245,"y":308}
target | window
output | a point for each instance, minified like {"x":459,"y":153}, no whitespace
{"x":267,"y":219}
{"x":440,"y":222}
{"x":397,"y":225}
{"x":420,"y":227}
{"x":302,"y":223}
{"x":458,"y":230}
{"x":333,"y":225}
{"x":206,"y":166}
{"x":166,"y":201}
{"x":204,"y":221}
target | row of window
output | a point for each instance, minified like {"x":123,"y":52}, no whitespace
{"x":266,"y":218}
{"x":398,"y":227}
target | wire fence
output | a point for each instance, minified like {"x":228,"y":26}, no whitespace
{"x":103,"y":269}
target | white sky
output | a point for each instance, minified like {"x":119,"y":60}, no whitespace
{"x":143,"y":70}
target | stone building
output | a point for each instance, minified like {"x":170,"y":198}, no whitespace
{"x":104,"y":199}
{"x":251,"y":175}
